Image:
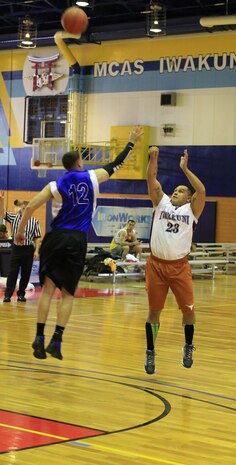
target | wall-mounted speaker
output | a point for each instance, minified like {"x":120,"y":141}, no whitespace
{"x":168,"y":99}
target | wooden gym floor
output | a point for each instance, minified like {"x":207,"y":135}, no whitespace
{"x":97,"y":406}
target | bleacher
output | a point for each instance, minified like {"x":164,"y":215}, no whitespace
{"x":208,"y":259}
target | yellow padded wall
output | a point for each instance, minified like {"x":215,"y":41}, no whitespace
{"x":136,"y":165}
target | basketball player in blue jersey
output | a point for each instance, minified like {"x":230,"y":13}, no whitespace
{"x":170,"y":243}
{"x":63,"y":250}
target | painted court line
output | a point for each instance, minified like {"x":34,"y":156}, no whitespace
{"x":26,"y":430}
{"x":127,"y":453}
{"x":21,"y":431}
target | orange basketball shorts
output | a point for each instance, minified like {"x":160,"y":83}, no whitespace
{"x":162,"y":275}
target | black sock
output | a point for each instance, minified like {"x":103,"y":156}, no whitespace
{"x":57,"y":336}
{"x":40,"y":329}
{"x":189,"y":332}
{"x":151,"y":334}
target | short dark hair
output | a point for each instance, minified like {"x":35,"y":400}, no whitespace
{"x":18,"y":203}
{"x":190,"y":192}
{"x":69,"y":159}
{"x":3,"y":228}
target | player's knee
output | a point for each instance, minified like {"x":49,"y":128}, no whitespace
{"x":154,"y":315}
{"x":189,"y":317}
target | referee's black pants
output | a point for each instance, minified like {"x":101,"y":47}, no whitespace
{"x":21,"y":260}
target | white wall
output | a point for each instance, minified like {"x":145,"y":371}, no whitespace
{"x":201,"y":116}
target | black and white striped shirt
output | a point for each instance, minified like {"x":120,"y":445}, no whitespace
{"x":32,"y":228}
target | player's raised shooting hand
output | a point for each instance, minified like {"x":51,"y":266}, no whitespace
{"x":153,"y":152}
{"x":184,"y":160}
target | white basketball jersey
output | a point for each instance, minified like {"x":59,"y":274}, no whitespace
{"x":172,"y":230}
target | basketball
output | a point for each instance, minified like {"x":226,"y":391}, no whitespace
{"x":74,"y":20}
{"x":37,"y":163}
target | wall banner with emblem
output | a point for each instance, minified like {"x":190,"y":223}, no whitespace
{"x":113,"y":214}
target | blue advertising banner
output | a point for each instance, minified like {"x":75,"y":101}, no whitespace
{"x":113,"y":214}
{"x":108,"y":220}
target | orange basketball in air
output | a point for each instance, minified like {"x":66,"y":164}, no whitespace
{"x":74,"y":20}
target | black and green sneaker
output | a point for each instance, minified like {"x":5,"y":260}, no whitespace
{"x":150,"y":362}
{"x":187,"y":352}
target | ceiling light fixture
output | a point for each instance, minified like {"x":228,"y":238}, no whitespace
{"x":27,"y":33}
{"x":156,"y":20}
{"x":154,"y":27}
{"x":82,"y":3}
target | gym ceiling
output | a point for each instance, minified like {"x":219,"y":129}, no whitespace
{"x":112,"y":19}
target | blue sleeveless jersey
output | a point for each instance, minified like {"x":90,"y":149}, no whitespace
{"x":74,"y":200}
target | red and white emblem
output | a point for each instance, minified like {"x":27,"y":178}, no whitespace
{"x":43,"y":71}
{"x":40,"y":74}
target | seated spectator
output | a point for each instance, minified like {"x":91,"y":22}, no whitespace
{"x":125,"y":241}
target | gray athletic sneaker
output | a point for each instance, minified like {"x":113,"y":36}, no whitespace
{"x":187,"y":352}
{"x":150,"y":362}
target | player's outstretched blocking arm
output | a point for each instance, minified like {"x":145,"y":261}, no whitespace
{"x":108,"y":170}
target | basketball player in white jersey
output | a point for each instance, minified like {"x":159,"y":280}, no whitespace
{"x":170,"y":243}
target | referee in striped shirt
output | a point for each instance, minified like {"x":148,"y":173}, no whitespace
{"x":21,"y":256}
